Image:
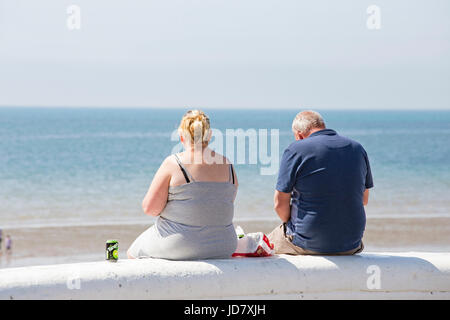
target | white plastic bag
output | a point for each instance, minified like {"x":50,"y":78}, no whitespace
{"x":252,"y":244}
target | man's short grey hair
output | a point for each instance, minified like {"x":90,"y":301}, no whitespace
{"x":307,"y":120}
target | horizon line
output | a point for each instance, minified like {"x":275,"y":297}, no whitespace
{"x":225,"y":108}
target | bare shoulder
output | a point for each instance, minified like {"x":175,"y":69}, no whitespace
{"x":168,"y":164}
{"x":220,"y":158}
{"x":169,"y":161}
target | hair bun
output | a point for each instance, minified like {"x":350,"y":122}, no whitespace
{"x":196,"y":130}
{"x":195,"y":126}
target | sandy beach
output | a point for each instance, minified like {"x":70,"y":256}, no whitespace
{"x":53,"y":245}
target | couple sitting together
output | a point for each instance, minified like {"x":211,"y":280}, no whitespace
{"x":322,"y":187}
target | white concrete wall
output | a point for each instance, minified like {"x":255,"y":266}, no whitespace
{"x":365,"y":276}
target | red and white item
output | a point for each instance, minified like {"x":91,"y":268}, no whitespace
{"x":252,"y":244}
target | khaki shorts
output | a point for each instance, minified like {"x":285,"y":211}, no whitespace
{"x":283,"y":244}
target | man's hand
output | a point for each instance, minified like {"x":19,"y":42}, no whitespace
{"x":282,"y":205}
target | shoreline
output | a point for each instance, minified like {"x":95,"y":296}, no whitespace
{"x":147,"y":221}
{"x":69,"y":244}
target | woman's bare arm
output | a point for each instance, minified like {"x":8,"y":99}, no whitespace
{"x":156,"y":198}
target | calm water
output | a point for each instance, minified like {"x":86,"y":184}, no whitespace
{"x":85,"y":166}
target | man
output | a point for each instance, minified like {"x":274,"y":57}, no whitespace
{"x":322,"y":188}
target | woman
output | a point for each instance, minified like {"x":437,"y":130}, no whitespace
{"x":193,"y":199}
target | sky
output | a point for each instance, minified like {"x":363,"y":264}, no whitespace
{"x":321,"y":54}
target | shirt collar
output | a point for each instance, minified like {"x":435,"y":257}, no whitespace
{"x":328,"y":132}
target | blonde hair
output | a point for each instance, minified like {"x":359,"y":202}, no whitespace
{"x":307,"y":120}
{"x":195,"y":127}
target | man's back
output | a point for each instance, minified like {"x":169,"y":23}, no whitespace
{"x":327,"y":175}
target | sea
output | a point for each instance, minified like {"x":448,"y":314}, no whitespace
{"x":93,"y":166}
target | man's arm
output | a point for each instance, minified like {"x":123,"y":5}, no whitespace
{"x":366,"y":197}
{"x":369,"y":179}
{"x":282,"y":205}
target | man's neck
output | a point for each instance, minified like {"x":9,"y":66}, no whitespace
{"x":315,"y":130}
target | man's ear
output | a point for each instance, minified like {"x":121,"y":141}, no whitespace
{"x":298,"y":135}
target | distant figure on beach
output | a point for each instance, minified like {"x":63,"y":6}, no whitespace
{"x":192,"y":195}
{"x":8,"y":244}
{"x":1,"y":240}
{"x":323,"y":185}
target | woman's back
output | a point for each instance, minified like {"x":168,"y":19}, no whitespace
{"x":212,"y":168}
{"x":192,"y":194}
{"x":196,"y":222}
{"x":202,"y":203}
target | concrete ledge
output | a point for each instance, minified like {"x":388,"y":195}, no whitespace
{"x":365,"y":276}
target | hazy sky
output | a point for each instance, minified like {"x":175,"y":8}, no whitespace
{"x":226,"y":53}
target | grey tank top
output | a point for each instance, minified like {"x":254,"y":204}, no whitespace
{"x":201,"y":203}
{"x":197,"y":222}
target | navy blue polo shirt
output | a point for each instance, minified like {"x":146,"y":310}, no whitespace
{"x":326,"y":175}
